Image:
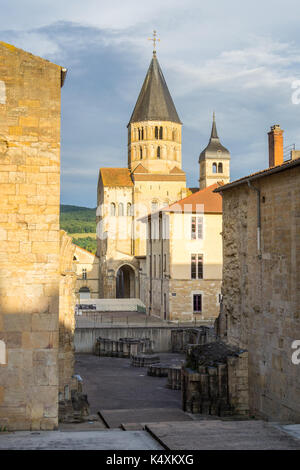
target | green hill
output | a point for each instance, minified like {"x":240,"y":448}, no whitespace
{"x":80,"y":223}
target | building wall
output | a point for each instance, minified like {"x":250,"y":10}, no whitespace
{"x":147,"y":192}
{"x":126,"y":236}
{"x":114,"y":241}
{"x":181,"y":304}
{"x":89,"y":262}
{"x":182,"y":246}
{"x":261,"y":294}
{"x":29,"y":239}
{"x":67,"y":301}
{"x":169,"y":267}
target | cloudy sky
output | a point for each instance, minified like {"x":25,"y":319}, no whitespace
{"x":239,"y":59}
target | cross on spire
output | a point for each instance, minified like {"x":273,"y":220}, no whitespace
{"x":154,"y":39}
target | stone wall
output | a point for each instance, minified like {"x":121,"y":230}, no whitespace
{"x":261,"y":295}
{"x":67,"y":301}
{"x":29,"y":238}
{"x":215,"y":380}
{"x":181,"y":304}
{"x":183,"y":337}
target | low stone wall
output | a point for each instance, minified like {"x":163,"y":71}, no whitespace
{"x":215,"y":380}
{"x":85,"y":338}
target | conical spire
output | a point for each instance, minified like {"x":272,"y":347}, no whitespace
{"x":154,"y":102}
{"x":214,"y":146}
{"x":214,"y":134}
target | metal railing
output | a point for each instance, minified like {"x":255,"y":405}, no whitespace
{"x":88,"y":319}
{"x":287,"y":152}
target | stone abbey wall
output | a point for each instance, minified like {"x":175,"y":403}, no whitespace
{"x":261,"y":294}
{"x":29,"y":239}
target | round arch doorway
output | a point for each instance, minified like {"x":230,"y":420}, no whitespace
{"x":125,"y":282}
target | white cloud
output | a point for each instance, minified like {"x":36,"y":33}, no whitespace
{"x":237,"y":59}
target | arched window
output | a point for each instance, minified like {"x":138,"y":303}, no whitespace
{"x":142,"y":133}
{"x":121,"y":209}
{"x":214,"y":168}
{"x":174,"y":134}
{"x":141,"y":153}
{"x":158,"y":152}
{"x":220,"y":168}
{"x":160,"y":132}
{"x":129,"y":211}
{"x":112,"y":209}
{"x":156,"y":132}
{"x":139,"y":134}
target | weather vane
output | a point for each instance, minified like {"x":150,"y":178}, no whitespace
{"x":154,"y":39}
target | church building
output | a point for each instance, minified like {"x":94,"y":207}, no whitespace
{"x":153,"y":180}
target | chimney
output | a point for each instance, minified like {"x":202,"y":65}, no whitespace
{"x":275,"y":145}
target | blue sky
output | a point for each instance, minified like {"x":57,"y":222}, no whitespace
{"x":235,"y":58}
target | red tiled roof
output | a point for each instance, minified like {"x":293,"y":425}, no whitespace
{"x":211,"y":201}
{"x":116,"y":177}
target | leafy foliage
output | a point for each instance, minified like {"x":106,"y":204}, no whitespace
{"x":88,"y":243}
{"x":76,"y":219}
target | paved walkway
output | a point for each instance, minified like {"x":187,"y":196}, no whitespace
{"x":78,"y":440}
{"x":126,"y":393}
{"x":113,"y":384}
{"x":223,"y":435}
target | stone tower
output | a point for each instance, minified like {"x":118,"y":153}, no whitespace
{"x":154,"y":129}
{"x":152,"y":179}
{"x":214,"y":161}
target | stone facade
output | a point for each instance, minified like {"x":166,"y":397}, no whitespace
{"x":176,"y":235}
{"x":32,"y":279}
{"x":67,"y":301}
{"x":153,"y":179}
{"x":86,"y":265}
{"x":159,"y":271}
{"x":261,"y":276}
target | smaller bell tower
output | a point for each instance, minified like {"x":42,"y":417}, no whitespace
{"x":214,"y":161}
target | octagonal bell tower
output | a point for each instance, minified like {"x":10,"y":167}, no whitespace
{"x":214,"y":161}
{"x":154,"y":129}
